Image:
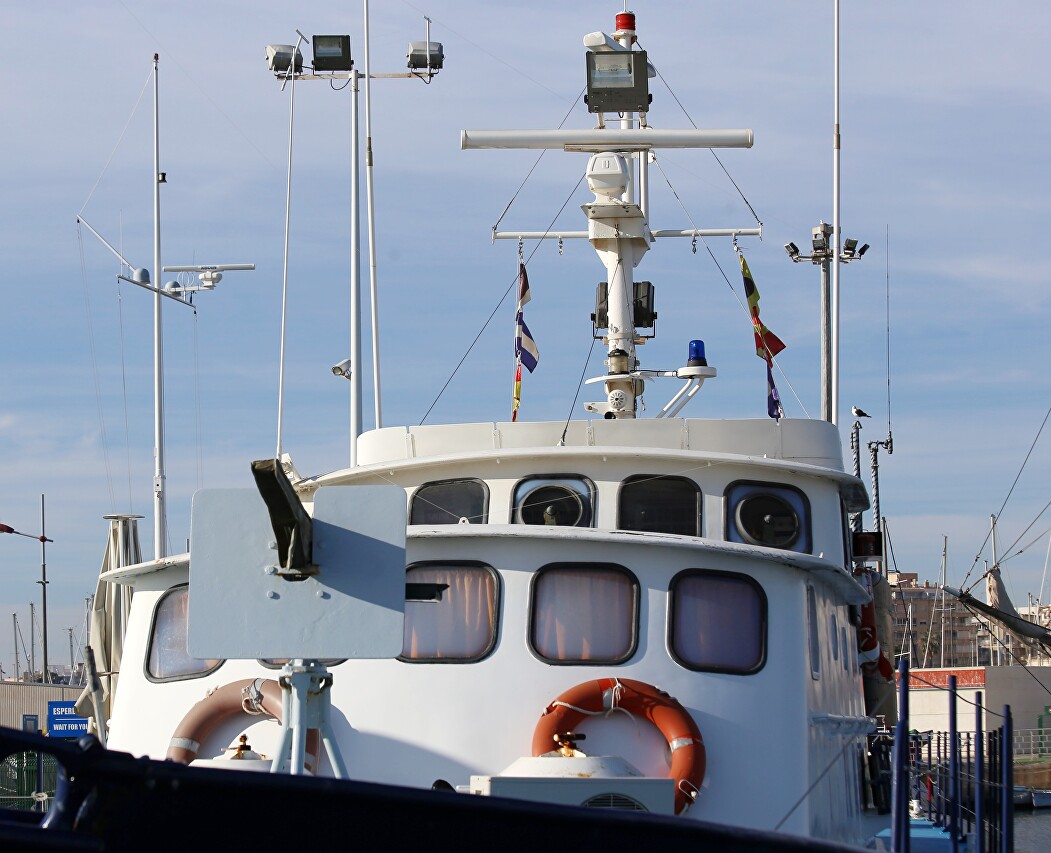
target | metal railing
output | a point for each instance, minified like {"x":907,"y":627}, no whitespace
{"x":961,"y":782}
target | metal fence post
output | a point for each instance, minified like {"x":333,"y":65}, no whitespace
{"x":1007,"y":767}
{"x":979,"y":775}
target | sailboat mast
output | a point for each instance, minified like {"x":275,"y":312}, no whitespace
{"x":941,"y":589}
{"x":159,"y":520}
{"x":835,"y":232}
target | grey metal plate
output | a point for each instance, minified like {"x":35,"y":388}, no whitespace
{"x":353,"y":608}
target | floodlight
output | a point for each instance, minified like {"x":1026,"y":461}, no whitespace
{"x":850,"y":247}
{"x":793,"y":250}
{"x":332,"y":53}
{"x":863,"y":249}
{"x":423,"y":55}
{"x":279,"y":58}
{"x":820,"y":239}
{"x":618,"y":82}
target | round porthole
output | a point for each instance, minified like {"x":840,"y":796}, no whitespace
{"x":552,"y":505}
{"x":766,"y":519}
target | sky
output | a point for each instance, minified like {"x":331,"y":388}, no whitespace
{"x":946,"y":129}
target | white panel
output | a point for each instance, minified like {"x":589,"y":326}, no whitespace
{"x":452,"y":438}
{"x":352,"y":608}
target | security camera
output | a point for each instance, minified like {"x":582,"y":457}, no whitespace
{"x":342,"y":368}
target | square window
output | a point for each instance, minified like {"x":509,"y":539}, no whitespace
{"x":585,"y":613}
{"x":718,"y":622}
{"x":461,"y":626}
{"x":660,"y":505}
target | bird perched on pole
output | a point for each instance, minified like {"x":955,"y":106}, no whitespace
{"x":858,"y":413}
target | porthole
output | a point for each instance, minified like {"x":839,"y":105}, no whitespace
{"x":769,"y":515}
{"x":553,"y":501}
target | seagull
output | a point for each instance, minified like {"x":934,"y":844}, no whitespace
{"x":858,"y":413}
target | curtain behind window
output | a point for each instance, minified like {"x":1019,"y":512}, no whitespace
{"x":462,"y":626}
{"x":584,"y":614}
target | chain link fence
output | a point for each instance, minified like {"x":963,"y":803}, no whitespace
{"x":28,"y":783}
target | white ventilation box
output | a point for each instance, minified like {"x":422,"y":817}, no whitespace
{"x":593,"y":781}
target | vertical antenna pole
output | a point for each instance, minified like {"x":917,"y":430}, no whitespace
{"x":160,"y":532}
{"x":32,"y":640}
{"x":14,"y":625}
{"x":370,"y":201}
{"x":835,"y":234}
{"x":43,"y":589}
{"x":355,"y":274}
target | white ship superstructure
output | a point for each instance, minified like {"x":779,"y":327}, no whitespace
{"x":707,"y":559}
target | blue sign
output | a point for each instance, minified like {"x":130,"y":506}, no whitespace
{"x":62,"y":720}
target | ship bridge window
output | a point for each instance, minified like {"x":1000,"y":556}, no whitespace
{"x":167,"y":658}
{"x":558,"y":500}
{"x":450,"y":502}
{"x":717,"y":622}
{"x":660,"y":505}
{"x":584,"y":613}
{"x":769,"y":514}
{"x":459,"y":624}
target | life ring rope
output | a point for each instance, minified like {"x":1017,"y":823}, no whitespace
{"x":601,"y":697}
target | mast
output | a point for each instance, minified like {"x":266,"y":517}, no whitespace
{"x":941,"y":590}
{"x":160,"y":533}
{"x":32,"y":640}
{"x":43,"y":588}
{"x":834,"y":413}
{"x":370,"y":205}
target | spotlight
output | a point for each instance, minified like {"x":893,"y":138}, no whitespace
{"x":863,"y":249}
{"x":793,"y":250}
{"x":422,"y":55}
{"x":850,"y":247}
{"x":280,"y":56}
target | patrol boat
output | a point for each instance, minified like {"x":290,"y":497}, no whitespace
{"x":650,"y":614}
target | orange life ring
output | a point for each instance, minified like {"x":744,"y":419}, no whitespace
{"x":591,"y":698}
{"x":250,"y":696}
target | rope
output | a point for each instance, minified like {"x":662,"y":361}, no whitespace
{"x":1010,"y":491}
{"x":120,"y":139}
{"x":536,"y":163}
{"x":689,"y":118}
{"x":95,"y":369}
{"x":485,"y":325}
{"x":737,"y":296}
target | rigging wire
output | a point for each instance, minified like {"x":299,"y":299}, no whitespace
{"x":536,"y":163}
{"x":715,"y":260}
{"x":124,"y":390}
{"x":1010,"y":491}
{"x":484,"y":50}
{"x":689,"y":118}
{"x":95,"y":368}
{"x":580,"y":384}
{"x":485,"y":325}
{"x":1007,"y":647}
{"x":113,"y":153}
{"x":248,"y":138}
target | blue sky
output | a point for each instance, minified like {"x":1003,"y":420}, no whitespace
{"x":946,"y":121}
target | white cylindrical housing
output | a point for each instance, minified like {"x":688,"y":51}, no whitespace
{"x":607,"y":139}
